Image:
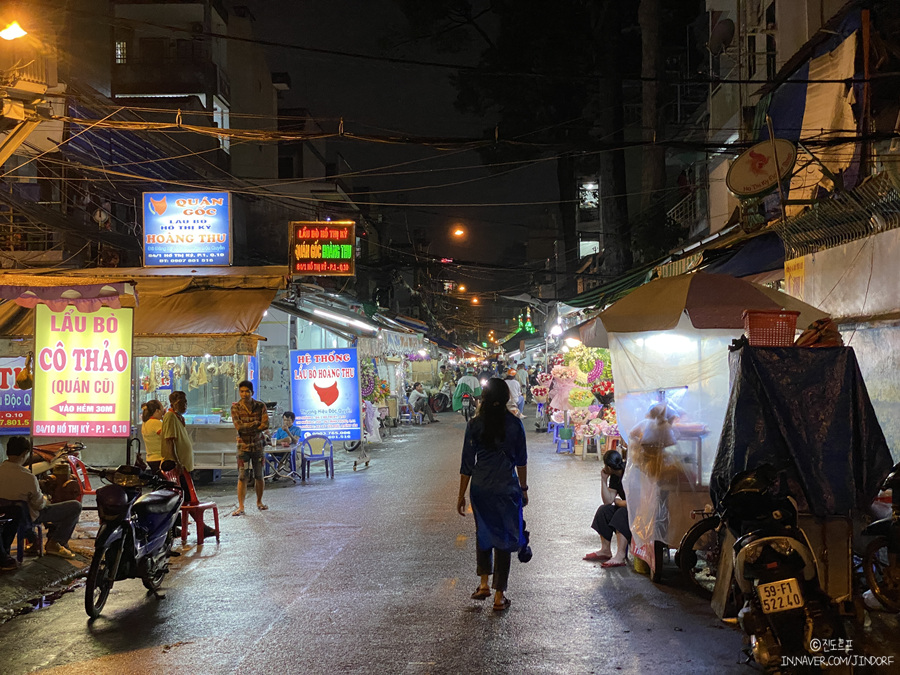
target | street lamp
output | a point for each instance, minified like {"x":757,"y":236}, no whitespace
{"x":462,"y":288}
{"x":474,"y":301}
{"x":556,"y":331}
{"x":13,"y":31}
{"x":572,"y":342}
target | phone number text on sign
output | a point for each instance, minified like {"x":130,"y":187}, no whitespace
{"x":83,"y":372}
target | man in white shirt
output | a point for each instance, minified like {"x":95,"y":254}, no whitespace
{"x":418,"y":401}
{"x":17,"y":483}
{"x":515,"y":390}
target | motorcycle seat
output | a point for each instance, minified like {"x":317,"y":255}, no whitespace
{"x":158,"y":502}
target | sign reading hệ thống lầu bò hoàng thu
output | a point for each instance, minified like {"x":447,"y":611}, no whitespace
{"x":187,"y":228}
{"x":325,"y":392}
{"x":15,"y":403}
{"x":323,"y":248}
{"x":82,"y":372}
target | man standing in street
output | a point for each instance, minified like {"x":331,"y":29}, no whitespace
{"x":18,"y":484}
{"x":418,"y":401}
{"x":522,"y":377}
{"x":251,"y":419}
{"x":177,"y":446}
{"x":515,"y":391}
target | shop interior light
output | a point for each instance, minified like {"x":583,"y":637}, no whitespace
{"x":344,"y":321}
{"x":556,"y":331}
{"x":572,"y":342}
{"x":422,"y":352}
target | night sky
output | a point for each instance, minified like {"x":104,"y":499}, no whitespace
{"x":380,"y":97}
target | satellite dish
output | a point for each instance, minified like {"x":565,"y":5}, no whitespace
{"x":720,"y":37}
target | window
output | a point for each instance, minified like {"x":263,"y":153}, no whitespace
{"x":589,"y":196}
{"x":121,"y":51}
{"x":586,"y":248}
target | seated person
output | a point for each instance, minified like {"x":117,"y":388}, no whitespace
{"x":612,"y":516}
{"x":17,"y":483}
{"x":289,"y":433}
{"x":11,"y":512}
{"x":418,"y":401}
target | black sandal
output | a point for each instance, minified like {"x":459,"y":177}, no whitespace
{"x":481,"y":593}
{"x":502,"y":606}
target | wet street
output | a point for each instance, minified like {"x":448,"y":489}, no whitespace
{"x":371,"y":573}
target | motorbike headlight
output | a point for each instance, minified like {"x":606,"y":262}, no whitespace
{"x":112,"y":501}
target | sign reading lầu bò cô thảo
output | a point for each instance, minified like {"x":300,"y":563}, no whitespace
{"x":323,"y":248}
{"x":82,"y":372}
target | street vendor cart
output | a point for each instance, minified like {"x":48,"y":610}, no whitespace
{"x":669,"y":345}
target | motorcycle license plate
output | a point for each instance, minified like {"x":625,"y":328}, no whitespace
{"x":780,"y":596}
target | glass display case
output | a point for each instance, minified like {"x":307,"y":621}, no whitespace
{"x":211,"y":385}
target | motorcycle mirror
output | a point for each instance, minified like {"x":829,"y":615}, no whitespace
{"x":167,"y":465}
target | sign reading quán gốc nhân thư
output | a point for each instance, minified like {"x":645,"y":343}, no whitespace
{"x":82,"y":372}
{"x":187,"y":228}
{"x":323,"y":248}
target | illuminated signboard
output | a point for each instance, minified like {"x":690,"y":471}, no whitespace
{"x":187,"y":228}
{"x":325,"y":393}
{"x":82,"y":372}
{"x":15,"y":403}
{"x":323,"y":248}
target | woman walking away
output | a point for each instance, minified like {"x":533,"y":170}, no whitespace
{"x":494,"y":457}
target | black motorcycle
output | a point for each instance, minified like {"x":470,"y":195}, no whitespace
{"x":786,"y":612}
{"x":136,"y":533}
{"x":882,"y":558}
{"x":468,"y":406}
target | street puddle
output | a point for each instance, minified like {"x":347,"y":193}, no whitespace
{"x":40,"y":602}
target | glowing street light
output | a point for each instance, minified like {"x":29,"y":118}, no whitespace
{"x":474,"y":301}
{"x":13,"y":31}
{"x":462,"y":288}
{"x":556,"y":330}
{"x":459,"y":232}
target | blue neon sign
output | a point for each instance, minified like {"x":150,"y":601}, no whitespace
{"x":187,"y":228}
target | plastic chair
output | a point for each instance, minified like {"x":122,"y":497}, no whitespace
{"x":552,"y":427}
{"x":193,"y":507}
{"x":16,"y":510}
{"x":566,"y":440}
{"x":308,"y":455}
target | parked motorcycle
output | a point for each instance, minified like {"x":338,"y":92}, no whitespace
{"x":881,"y":561}
{"x":786,"y":611}
{"x":136,"y":532}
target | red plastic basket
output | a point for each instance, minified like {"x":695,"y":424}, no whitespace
{"x":771,"y":327}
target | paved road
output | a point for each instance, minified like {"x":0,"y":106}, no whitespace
{"x":371,"y":573}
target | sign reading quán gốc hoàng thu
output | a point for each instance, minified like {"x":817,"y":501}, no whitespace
{"x":82,"y":372}
{"x":323,"y":248}
{"x":187,"y":228}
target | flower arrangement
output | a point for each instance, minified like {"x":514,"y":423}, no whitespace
{"x":582,"y":415}
{"x":603,"y":388}
{"x":580,"y":398}
{"x":544,"y":379}
{"x":540,"y":393}
{"x":593,"y":362}
{"x":565,"y":373}
{"x":415,"y":356}
{"x":558,"y":416}
{"x":383,"y":388}
{"x":557,"y":360}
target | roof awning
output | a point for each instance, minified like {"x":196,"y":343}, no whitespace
{"x":178,"y":313}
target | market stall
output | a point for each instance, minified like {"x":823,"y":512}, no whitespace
{"x":190,"y":331}
{"x":669,"y":346}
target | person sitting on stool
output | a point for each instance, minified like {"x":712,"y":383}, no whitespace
{"x":612,"y":516}
{"x":17,"y":483}
{"x":418,"y":401}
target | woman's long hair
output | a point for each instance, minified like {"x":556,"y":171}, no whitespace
{"x":492,"y":413}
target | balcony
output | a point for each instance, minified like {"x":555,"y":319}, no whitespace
{"x":170,"y":77}
{"x":691,"y":213}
